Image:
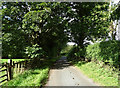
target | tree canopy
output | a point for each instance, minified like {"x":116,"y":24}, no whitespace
{"x":48,"y":26}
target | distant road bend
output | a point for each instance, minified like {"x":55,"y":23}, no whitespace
{"x":64,"y":74}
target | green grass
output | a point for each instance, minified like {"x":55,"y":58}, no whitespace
{"x":36,"y":75}
{"x":6,"y":60}
{"x":29,"y":78}
{"x":104,"y":76}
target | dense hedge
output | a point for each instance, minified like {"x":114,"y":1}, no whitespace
{"x":108,"y":51}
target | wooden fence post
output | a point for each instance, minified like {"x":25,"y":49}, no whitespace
{"x":15,"y":68}
{"x":25,"y":64}
{"x":6,"y":70}
{"x":10,"y":70}
{"x":18,"y":67}
{"x":21,"y":67}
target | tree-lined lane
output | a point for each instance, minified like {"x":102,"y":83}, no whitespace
{"x":64,"y":74}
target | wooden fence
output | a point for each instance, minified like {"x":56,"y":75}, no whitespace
{"x":5,"y":71}
{"x":11,"y":69}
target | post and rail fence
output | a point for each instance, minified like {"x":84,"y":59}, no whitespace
{"x":9,"y":69}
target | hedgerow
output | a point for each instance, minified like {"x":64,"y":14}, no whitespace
{"x":107,"y":52}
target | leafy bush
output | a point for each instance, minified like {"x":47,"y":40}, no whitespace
{"x":76,"y":52}
{"x":34,"y":51}
{"x":81,"y":52}
{"x":107,"y":52}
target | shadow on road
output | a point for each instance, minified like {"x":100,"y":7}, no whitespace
{"x":61,"y":63}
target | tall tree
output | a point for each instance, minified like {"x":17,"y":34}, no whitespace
{"x":14,"y":39}
{"x":89,"y":21}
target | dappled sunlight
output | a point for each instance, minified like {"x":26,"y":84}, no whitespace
{"x":61,"y":63}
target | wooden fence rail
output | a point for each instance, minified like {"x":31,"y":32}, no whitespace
{"x":3,"y":68}
{"x":12,"y":68}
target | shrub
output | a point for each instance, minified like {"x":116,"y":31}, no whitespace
{"x":34,"y":51}
{"x":107,"y":52}
{"x":76,"y":53}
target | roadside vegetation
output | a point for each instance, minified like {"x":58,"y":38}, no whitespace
{"x":103,"y":76}
{"x":35,"y":75}
{"x":99,"y":61}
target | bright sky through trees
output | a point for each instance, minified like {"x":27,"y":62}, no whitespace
{"x":115,"y":1}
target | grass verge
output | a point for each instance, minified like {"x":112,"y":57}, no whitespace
{"x":104,"y":76}
{"x":6,"y":60}
{"x":36,"y":75}
{"x":29,"y":78}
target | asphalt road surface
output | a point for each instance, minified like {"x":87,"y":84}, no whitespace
{"x":64,"y":74}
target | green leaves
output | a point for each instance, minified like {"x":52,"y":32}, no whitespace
{"x":49,"y":24}
{"x":89,"y":22}
{"x":34,"y":52}
{"x":33,"y":19}
{"x":104,"y":51}
{"x":47,"y":9}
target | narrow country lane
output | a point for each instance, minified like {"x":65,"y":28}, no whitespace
{"x":64,"y":74}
